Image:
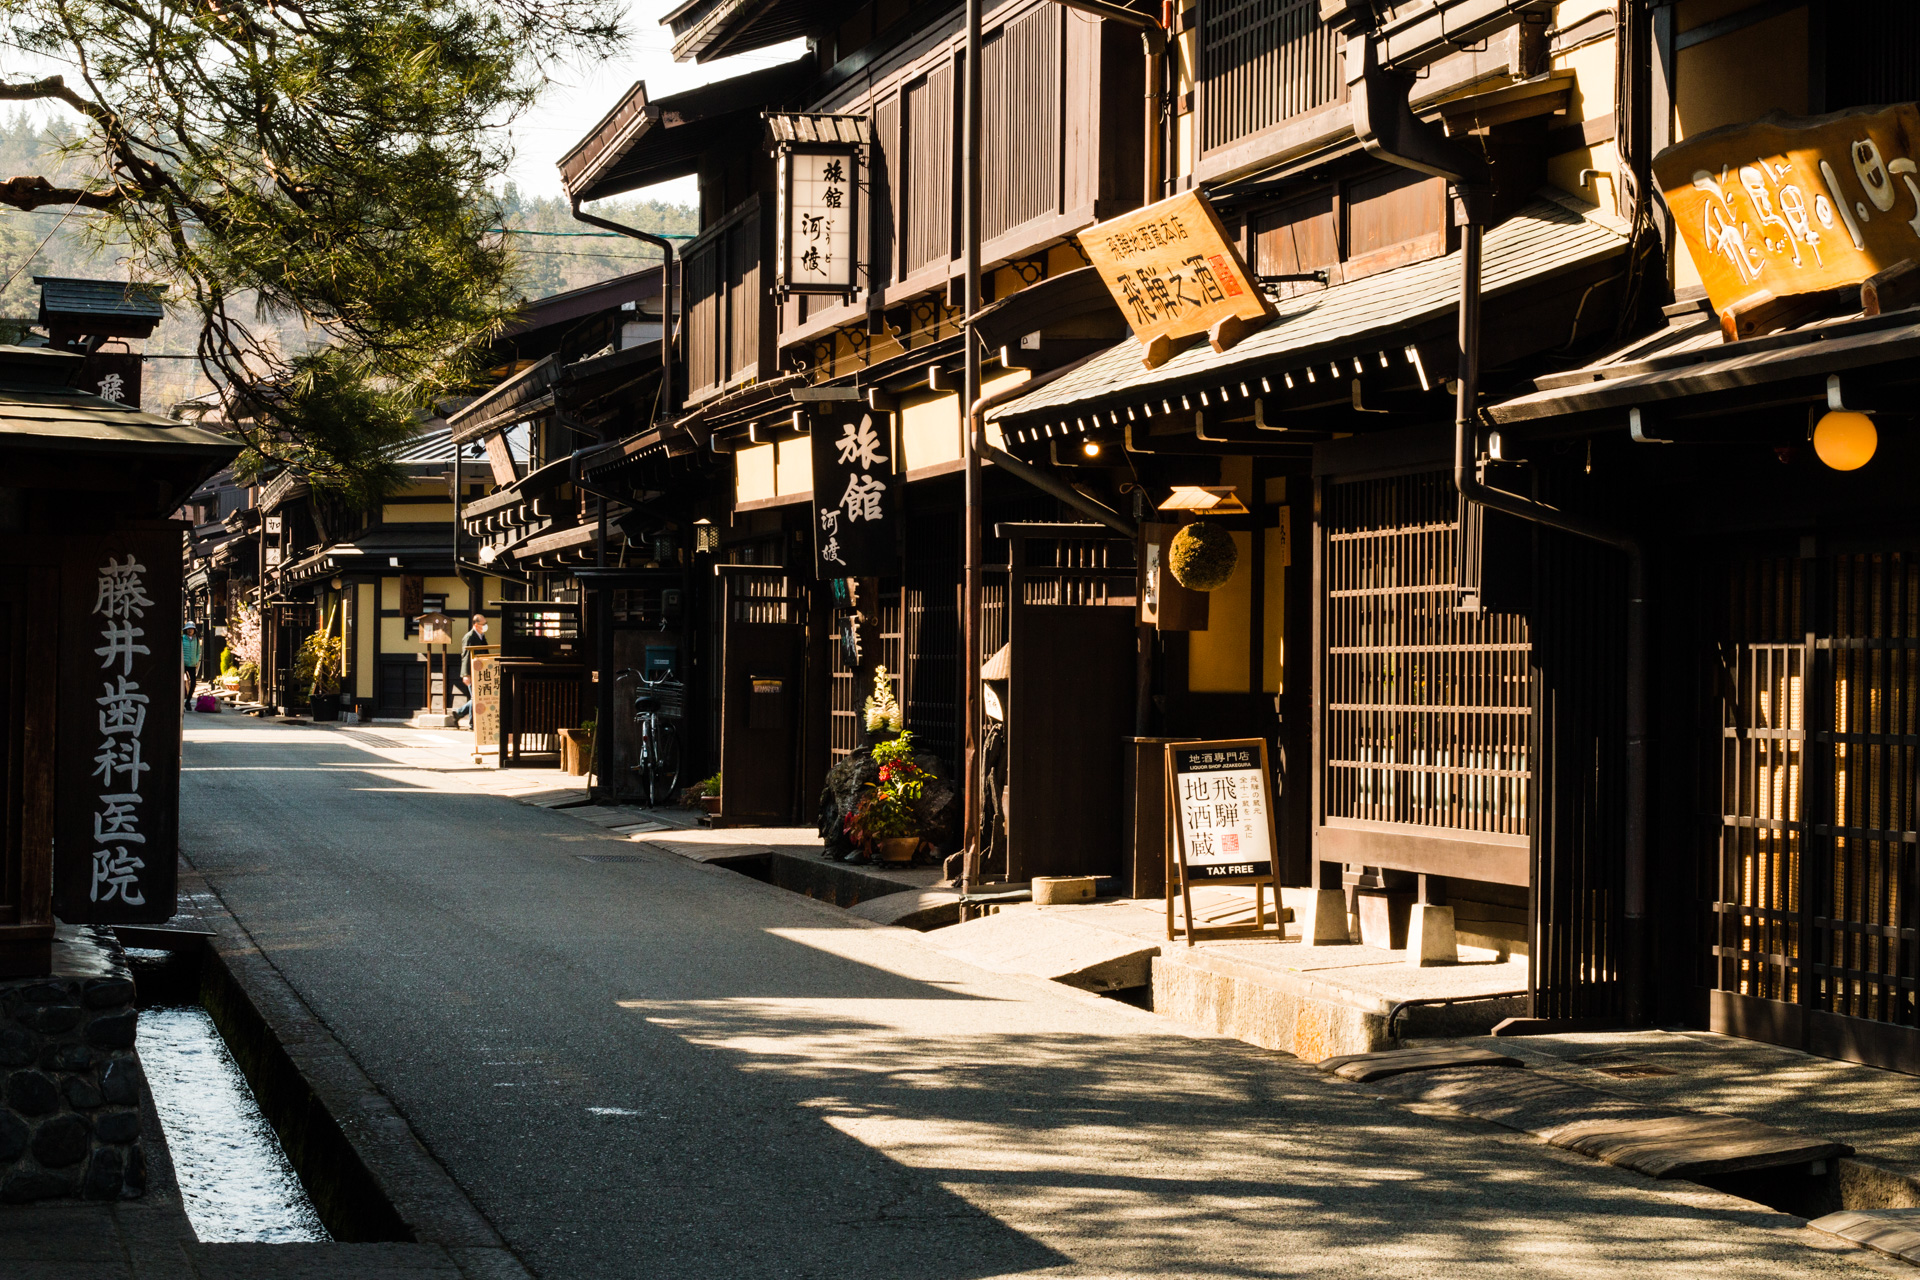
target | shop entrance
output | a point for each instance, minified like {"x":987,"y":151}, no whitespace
{"x":1811,"y":884}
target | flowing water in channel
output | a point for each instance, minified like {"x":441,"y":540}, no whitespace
{"x":235,"y":1180}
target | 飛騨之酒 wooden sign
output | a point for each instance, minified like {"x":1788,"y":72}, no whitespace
{"x":1174,"y":274}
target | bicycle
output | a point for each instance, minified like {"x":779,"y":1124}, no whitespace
{"x":657,"y":754}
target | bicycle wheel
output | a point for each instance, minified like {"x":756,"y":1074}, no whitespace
{"x":666,"y":759}
{"x":643,"y":754}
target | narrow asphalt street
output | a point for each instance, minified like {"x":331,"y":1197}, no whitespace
{"x":654,"y":1068}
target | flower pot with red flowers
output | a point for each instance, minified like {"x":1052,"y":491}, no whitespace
{"x":883,"y":824}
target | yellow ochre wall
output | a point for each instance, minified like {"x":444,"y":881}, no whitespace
{"x":366,"y":597}
{"x":931,"y":432}
{"x":393,"y":636}
{"x":1734,"y":78}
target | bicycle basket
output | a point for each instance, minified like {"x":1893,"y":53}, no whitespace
{"x":669,"y":700}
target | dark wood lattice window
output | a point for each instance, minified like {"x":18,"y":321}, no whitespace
{"x":849,"y":693}
{"x":1427,"y":708}
{"x":1263,"y":62}
{"x":1763,"y":765}
{"x":1020,"y":65}
{"x":1867,"y":936}
{"x":1820,"y":696}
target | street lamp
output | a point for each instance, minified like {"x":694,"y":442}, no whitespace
{"x":1845,"y":439}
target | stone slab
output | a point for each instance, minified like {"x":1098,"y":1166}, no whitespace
{"x":1693,"y":1146}
{"x":1363,"y":1067}
{"x":1034,"y":941}
{"x":1895,"y":1232}
{"x":921,"y":909}
{"x":1525,"y":1100}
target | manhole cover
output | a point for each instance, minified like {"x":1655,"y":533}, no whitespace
{"x":371,"y":739}
{"x":611,"y":857}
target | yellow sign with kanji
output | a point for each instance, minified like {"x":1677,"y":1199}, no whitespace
{"x":1174,"y":274}
{"x":1787,"y":206}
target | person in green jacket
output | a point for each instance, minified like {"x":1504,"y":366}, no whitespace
{"x":190,"y":656}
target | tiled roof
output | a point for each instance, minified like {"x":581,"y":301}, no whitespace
{"x":809,"y":126}
{"x":65,"y":295}
{"x":436,"y":445}
{"x":1543,"y":238}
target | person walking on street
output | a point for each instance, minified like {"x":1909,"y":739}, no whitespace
{"x":190,"y":657}
{"x":476,"y":638}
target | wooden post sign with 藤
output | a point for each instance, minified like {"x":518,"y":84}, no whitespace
{"x":1220,"y":815}
{"x":1784,"y":208}
{"x":1175,"y":276}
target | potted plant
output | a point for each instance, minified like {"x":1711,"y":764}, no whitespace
{"x":884,"y":824}
{"x":317,"y":667}
{"x":243,"y":643}
{"x":710,"y":795}
{"x":576,"y":748}
{"x":884,"y":719}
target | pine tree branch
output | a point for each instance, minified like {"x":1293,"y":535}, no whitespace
{"x":53,"y":87}
{"x":32,"y":193}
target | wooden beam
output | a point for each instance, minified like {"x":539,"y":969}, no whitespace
{"x":1895,"y":289}
{"x":1740,"y":20}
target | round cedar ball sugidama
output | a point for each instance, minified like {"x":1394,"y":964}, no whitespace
{"x":1202,"y":557}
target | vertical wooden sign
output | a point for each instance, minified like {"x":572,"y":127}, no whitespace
{"x":122,"y":689}
{"x":1221,"y":814}
{"x":856,"y":495}
{"x":486,"y":699}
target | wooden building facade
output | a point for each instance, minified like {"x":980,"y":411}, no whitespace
{"x":1448,"y":686}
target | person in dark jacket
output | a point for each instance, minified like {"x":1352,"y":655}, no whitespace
{"x":476,"y":638}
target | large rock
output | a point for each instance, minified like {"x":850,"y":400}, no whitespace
{"x":938,"y":806}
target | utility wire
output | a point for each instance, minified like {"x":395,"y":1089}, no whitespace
{"x":610,"y":235}
{"x":98,"y":174}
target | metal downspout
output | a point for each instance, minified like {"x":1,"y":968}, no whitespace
{"x":667,"y":316}
{"x":1634,"y":945}
{"x":1033,"y":475}
{"x":970,"y":624}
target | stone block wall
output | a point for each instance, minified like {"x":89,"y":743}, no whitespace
{"x":69,"y":1081}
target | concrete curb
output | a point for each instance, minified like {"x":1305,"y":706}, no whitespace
{"x":331,"y":1117}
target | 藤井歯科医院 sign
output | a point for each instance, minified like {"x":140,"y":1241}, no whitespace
{"x":1787,"y":206}
{"x":1172,"y":271}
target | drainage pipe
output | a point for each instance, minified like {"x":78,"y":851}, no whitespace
{"x":1422,"y":1002}
{"x":1065,"y":492}
{"x":666,"y":298}
{"x":1153,"y":37}
{"x":1635,"y":942}
{"x":977,"y":432}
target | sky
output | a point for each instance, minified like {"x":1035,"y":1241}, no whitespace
{"x":567,"y":110}
{"x":580,"y":97}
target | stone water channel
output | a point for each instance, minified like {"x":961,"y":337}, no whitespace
{"x":236,"y":1182}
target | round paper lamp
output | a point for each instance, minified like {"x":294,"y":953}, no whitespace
{"x":1845,"y":440}
{"x":1202,"y":557}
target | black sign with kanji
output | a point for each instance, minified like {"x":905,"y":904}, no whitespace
{"x":856,"y":496}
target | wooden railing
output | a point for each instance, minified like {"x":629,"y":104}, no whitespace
{"x":1262,"y":63}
